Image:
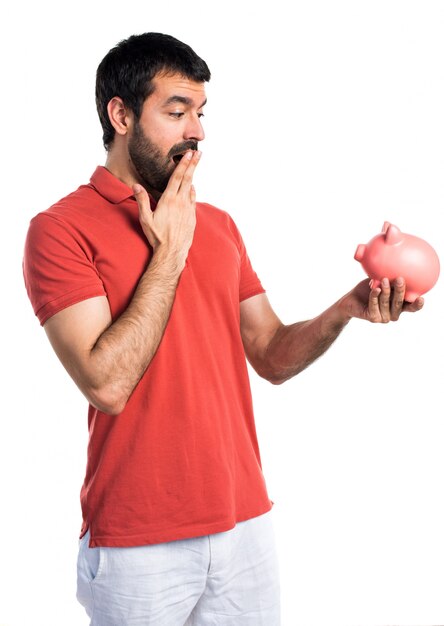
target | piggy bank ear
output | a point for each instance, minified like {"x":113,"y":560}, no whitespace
{"x":385,"y":227}
{"x":392,"y":235}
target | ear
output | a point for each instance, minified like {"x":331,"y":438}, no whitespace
{"x":393,"y":235}
{"x":119,"y":116}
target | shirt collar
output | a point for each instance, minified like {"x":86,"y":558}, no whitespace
{"x":110,"y":187}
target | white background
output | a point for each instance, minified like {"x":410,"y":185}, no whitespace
{"x":324,"y":120}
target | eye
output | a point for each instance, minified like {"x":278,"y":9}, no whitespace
{"x":177,"y":114}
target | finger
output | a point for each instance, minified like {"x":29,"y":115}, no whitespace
{"x":373,"y":305}
{"x":143,"y":201}
{"x":187,"y":162}
{"x":176,"y":177}
{"x":384,"y":301}
{"x":397,"y":299}
{"x":187,"y":178}
{"x":192,"y":194}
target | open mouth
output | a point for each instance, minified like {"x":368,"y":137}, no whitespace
{"x":177,"y":157}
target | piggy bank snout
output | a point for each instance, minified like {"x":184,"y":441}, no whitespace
{"x":360,"y":251}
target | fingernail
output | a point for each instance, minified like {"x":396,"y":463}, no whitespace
{"x":137,"y":188}
{"x":399,"y":281}
{"x":385,"y":282}
{"x":189,"y":154}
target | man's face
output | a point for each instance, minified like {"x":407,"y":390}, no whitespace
{"x":168,"y":126}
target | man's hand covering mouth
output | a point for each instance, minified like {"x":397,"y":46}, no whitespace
{"x":181,"y":151}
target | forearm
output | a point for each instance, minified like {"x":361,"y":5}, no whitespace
{"x":278,"y":352}
{"x":125,"y":349}
{"x":296,"y":346}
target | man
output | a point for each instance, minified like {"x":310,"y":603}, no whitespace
{"x":150,"y":301}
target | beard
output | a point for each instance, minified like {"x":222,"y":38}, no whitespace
{"x":154,"y":168}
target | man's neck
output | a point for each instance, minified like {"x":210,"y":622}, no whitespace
{"x":121,"y":170}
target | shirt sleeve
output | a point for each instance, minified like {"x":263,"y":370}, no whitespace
{"x":249,"y":283}
{"x":58,"y":269}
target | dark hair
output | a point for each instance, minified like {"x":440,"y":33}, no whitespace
{"x":128,"y":69}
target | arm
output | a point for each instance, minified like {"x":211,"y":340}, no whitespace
{"x":106,"y":360}
{"x":278,"y":352}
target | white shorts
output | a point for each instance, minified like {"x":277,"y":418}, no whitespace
{"x":228,"y":578}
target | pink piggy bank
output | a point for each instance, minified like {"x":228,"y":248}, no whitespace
{"x":393,"y":253}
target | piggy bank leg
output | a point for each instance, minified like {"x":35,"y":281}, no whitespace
{"x":374,"y":283}
{"x":411,"y":296}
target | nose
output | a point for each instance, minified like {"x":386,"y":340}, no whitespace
{"x":194,"y":129}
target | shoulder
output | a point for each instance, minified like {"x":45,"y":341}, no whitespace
{"x":65,"y":215}
{"x":218,"y":216}
{"x":79,"y":200}
{"x":58,"y":228}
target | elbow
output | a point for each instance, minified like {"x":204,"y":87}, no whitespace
{"x":273,"y":376}
{"x":275,"y":379}
{"x":276,"y":373}
{"x":111,"y":409}
{"x":267,"y":363}
{"x":279,"y":376}
{"x":109,"y":401}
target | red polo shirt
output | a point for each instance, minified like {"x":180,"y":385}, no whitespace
{"x":182,"y":459}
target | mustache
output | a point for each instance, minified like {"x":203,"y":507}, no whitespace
{"x":181,"y":148}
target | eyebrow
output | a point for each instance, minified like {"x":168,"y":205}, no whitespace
{"x":182,"y":100}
